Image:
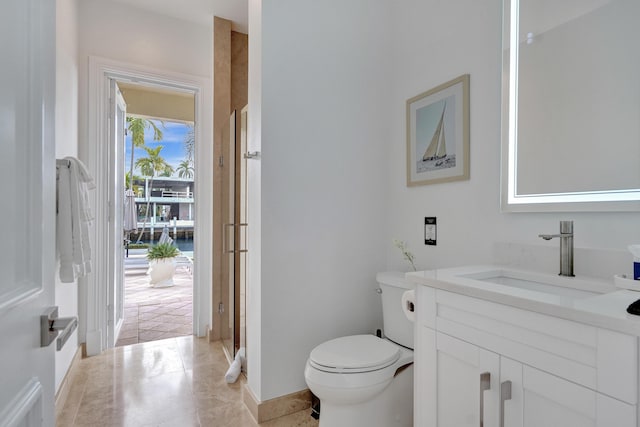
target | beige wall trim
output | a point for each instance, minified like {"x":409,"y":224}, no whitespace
{"x":221,"y":113}
{"x":63,"y":391}
{"x":277,"y":407}
{"x":159,"y":103}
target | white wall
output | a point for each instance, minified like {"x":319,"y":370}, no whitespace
{"x":323,"y":170}
{"x":254,"y":190}
{"x":434,"y":42}
{"x":66,"y":137}
{"x":115,"y":31}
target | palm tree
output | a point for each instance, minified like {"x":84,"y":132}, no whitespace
{"x":137,"y":126}
{"x":127,"y":180}
{"x":150,"y":166}
{"x":185,"y":170}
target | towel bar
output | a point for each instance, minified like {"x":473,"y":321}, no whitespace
{"x":63,"y":163}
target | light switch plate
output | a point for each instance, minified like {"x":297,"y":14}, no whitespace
{"x":430,"y":230}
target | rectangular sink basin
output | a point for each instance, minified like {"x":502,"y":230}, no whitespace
{"x":567,"y":287}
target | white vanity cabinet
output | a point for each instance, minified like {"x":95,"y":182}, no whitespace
{"x":468,"y":351}
{"x":541,"y":399}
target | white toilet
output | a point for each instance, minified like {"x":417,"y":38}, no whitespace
{"x":363,"y":380}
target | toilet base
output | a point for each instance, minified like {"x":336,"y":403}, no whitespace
{"x":391,"y":408}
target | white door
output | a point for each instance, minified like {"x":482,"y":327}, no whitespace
{"x":464,"y":381}
{"x":542,"y":399}
{"x":117,"y":124}
{"x":28,"y":177}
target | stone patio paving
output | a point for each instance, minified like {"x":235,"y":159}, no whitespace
{"x":152,"y":314}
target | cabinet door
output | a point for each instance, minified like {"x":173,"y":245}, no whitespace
{"x":463,"y":378}
{"x":541,"y":399}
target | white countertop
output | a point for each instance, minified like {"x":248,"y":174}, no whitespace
{"x":605,"y":307}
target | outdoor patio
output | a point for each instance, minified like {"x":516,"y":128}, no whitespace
{"x":155,"y":313}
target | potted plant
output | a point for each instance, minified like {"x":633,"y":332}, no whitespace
{"x":162,"y":264}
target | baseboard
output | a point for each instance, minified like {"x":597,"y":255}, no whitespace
{"x":212,"y":336}
{"x":63,"y":391}
{"x":276,"y":407}
{"x":93,"y":343}
{"x":225,"y":350}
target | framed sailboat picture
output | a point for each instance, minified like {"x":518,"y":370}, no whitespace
{"x":438,"y":134}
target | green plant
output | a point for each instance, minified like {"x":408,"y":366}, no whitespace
{"x":405,"y":252}
{"x":162,"y":250}
{"x":185,"y":170}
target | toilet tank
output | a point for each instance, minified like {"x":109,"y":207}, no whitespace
{"x":396,"y":326}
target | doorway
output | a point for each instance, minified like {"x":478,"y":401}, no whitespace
{"x":102,"y":324}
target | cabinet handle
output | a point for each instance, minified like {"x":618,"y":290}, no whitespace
{"x":505,"y":394}
{"x":485,"y":384}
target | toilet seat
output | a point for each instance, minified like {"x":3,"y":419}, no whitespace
{"x":354,"y":354}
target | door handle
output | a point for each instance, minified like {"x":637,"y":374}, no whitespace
{"x":225,"y":236}
{"x":485,"y":384}
{"x":505,"y":394}
{"x":52,"y":327}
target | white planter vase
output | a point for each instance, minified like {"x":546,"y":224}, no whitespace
{"x":161,"y":272}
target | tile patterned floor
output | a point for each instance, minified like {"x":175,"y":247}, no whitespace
{"x":173,"y":382}
{"x":155,"y":313}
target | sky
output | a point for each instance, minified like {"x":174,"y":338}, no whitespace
{"x":173,"y":151}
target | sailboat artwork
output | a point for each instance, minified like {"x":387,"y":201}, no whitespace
{"x":438,"y":134}
{"x":435,"y":156}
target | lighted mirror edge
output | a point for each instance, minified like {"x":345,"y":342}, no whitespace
{"x":611,"y":200}
{"x":610,"y":196}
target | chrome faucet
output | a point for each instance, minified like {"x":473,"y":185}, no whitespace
{"x":566,"y":247}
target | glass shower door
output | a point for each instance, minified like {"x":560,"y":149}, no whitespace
{"x":235,"y":237}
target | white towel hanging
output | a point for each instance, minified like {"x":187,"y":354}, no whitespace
{"x":73,"y":219}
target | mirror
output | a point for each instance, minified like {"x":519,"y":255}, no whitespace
{"x":571,"y":105}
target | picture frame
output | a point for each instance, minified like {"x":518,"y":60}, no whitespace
{"x":438,"y":134}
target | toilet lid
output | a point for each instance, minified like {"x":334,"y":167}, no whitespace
{"x":353,"y":354}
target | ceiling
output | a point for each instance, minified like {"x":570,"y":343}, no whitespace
{"x":198,"y":11}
